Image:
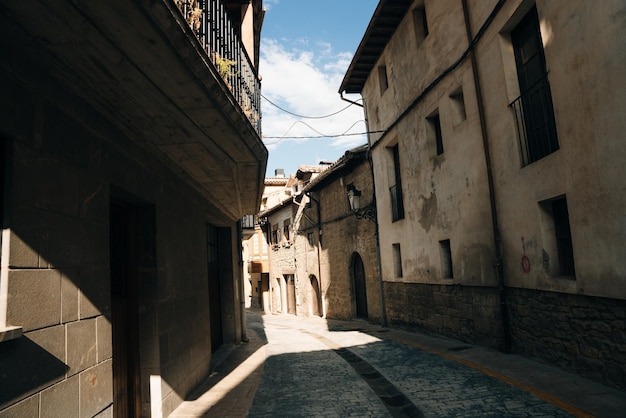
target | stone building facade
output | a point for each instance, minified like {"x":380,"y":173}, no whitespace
{"x":336,"y":251}
{"x":498,"y":163}
{"x":280,"y":224}
{"x":127,"y":163}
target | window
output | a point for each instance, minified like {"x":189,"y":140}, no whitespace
{"x":458,"y":106}
{"x":382,"y":79}
{"x":275,"y":234}
{"x":310,"y":236}
{"x":558,"y":253}
{"x":397,"y":261}
{"x":533,"y":110}
{"x":446,"y":259}
{"x":395,"y":190}
{"x":434,"y":132}
{"x":420,"y":25}
{"x":286,"y":229}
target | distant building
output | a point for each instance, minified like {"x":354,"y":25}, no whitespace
{"x":130,"y":149}
{"x":278,"y":220}
{"x":255,"y":244}
{"x":499,"y":173}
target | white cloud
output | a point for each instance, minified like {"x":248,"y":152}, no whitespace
{"x":267,"y":4}
{"x":305,"y":82}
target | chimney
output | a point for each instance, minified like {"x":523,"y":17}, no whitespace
{"x":279,"y":172}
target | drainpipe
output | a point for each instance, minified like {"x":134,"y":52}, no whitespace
{"x":504,"y":310}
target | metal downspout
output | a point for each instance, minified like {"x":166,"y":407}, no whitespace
{"x":504,"y":310}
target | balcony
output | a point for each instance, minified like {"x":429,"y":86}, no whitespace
{"x":210,"y":23}
{"x":534,"y":119}
{"x":152,"y":72}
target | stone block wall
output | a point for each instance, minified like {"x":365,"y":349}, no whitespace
{"x":468,"y":313}
{"x":584,"y":334}
{"x":65,"y":158}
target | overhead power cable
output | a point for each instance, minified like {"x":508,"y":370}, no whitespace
{"x":302,"y":116}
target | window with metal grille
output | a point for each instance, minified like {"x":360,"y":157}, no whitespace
{"x":534,"y":114}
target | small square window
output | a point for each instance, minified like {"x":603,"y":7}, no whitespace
{"x":557,"y":252}
{"x":458,"y":106}
{"x":420,"y":24}
{"x":434,"y":132}
{"x":446,"y":259}
{"x":382,"y":78}
{"x":397,"y":261}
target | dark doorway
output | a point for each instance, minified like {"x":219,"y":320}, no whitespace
{"x":291,"y":293}
{"x":124,"y":265}
{"x":215,"y":288}
{"x":360,"y":293}
{"x":316,"y":297}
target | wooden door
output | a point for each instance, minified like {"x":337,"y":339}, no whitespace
{"x":125,"y":335}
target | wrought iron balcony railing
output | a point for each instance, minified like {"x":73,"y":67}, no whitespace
{"x":214,"y":29}
{"x":249,"y":221}
{"x":534,"y":119}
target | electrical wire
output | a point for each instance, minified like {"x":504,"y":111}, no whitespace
{"x":320,"y":134}
{"x":306,"y":117}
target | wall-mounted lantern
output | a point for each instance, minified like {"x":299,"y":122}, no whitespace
{"x":354,"y":198}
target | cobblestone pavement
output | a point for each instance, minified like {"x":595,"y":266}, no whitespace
{"x":310,"y":367}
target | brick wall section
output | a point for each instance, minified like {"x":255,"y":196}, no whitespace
{"x":467,"y":313}
{"x":583,"y":334}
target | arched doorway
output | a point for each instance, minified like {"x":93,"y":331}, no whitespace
{"x":358,"y":281}
{"x":315,"y":304}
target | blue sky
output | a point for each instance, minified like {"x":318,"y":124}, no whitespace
{"x":306,"y":47}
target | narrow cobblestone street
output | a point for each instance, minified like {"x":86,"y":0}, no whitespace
{"x":295,"y":367}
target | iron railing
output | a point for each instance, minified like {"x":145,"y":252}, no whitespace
{"x":248,"y":221}
{"x":534,"y":119}
{"x":214,"y":29}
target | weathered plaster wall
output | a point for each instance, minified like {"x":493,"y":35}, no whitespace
{"x":446,"y":196}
